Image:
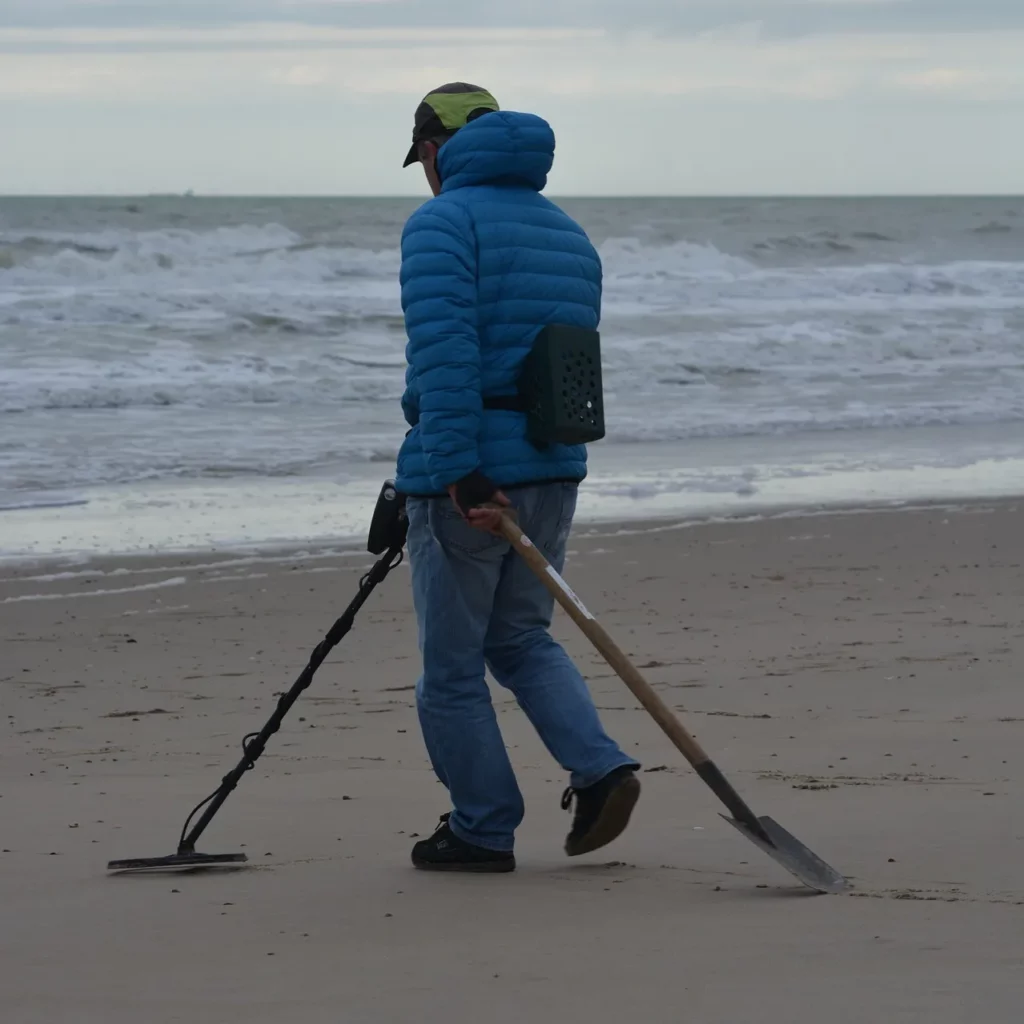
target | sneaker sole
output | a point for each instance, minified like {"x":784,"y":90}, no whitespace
{"x":494,"y":867}
{"x":611,"y":822}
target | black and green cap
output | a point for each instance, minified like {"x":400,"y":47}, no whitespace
{"x":447,"y":109}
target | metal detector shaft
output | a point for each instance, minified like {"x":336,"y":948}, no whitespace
{"x":255,"y":744}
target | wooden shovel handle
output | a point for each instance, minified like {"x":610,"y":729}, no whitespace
{"x":610,"y":651}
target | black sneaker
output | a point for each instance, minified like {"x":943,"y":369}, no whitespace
{"x":445,"y":851}
{"x":602,"y":810}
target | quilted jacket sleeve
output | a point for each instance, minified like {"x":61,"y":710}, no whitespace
{"x":439,"y":299}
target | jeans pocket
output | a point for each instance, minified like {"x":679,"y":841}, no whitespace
{"x":452,"y":531}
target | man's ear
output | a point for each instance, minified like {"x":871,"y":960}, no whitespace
{"x":428,"y":161}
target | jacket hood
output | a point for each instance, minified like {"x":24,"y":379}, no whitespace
{"x":500,"y":148}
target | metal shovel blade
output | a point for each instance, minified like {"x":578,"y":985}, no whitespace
{"x":788,"y":851}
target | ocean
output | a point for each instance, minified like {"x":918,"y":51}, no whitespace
{"x":177,"y":345}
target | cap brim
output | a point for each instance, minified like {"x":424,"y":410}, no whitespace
{"x":414,"y":155}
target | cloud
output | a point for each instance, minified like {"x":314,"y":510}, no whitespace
{"x":774,"y":18}
{"x":267,"y":36}
{"x":965,"y":83}
{"x":369,"y":47}
{"x":521,"y":65}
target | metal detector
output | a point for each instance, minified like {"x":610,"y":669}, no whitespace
{"x":387,"y":538}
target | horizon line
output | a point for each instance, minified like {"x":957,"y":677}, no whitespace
{"x":579,"y":195}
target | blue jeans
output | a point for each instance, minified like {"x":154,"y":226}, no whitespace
{"x":480,"y":606}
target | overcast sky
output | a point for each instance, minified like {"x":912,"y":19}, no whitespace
{"x":645,"y":96}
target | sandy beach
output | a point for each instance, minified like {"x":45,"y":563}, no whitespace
{"x":857,"y":675}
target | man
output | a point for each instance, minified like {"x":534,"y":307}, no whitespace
{"x":486,"y":264}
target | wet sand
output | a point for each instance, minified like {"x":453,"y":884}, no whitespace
{"x":858,"y":676}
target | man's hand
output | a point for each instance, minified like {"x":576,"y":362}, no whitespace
{"x":489,"y":519}
{"x":473,"y":491}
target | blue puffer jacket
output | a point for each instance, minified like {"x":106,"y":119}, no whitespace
{"x":485,"y":266}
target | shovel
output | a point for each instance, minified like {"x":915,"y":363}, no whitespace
{"x":763,"y":832}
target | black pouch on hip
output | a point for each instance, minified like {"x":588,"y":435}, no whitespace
{"x":560,"y":388}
